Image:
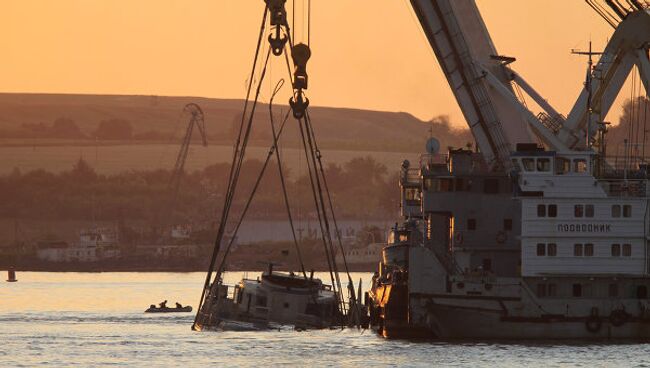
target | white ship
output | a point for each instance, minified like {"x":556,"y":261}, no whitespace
{"x":95,"y":244}
{"x":521,"y":240}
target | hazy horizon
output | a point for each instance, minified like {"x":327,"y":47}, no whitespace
{"x":365,"y":56}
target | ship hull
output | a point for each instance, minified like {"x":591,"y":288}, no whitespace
{"x":449,"y":322}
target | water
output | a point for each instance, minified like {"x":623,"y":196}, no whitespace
{"x":96,"y":320}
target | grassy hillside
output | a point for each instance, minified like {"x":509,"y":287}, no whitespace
{"x":336,"y":127}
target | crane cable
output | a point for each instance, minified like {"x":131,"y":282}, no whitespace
{"x":233,"y":176}
{"x":317,"y":192}
{"x":281,"y":173}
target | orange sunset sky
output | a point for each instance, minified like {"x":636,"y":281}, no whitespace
{"x":366,"y":53}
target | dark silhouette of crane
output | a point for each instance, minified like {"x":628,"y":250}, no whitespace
{"x":196,"y":120}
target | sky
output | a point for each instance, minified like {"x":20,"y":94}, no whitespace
{"x":368,"y":54}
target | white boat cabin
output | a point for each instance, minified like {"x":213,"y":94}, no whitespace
{"x":576,"y":224}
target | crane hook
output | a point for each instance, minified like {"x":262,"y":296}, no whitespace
{"x":278,"y":20}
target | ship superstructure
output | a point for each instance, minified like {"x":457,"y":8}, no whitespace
{"x":535,"y":235}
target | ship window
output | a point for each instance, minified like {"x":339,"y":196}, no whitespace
{"x":551,"y":290}
{"x":616,"y":210}
{"x":507,"y":224}
{"x":543,"y":164}
{"x":471,"y":224}
{"x":616,"y":250}
{"x":412,"y":196}
{"x":589,"y":210}
{"x":562,"y":166}
{"x":491,"y":186}
{"x":446,"y":185}
{"x":541,"y":249}
{"x":260,"y":300}
{"x":627,"y":250}
{"x":529,"y":164}
{"x":641,"y":292}
{"x":286,"y":305}
{"x":578,"y":210}
{"x":541,"y":290}
{"x":580,"y":166}
{"x":627,"y":210}
{"x":577,"y":250}
{"x":613,"y":290}
{"x":541,"y":210}
{"x":589,"y":250}
{"x":552,"y":210}
{"x":577,"y":290}
{"x":551,"y":249}
{"x":460,"y":185}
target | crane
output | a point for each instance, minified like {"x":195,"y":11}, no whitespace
{"x":483,"y":81}
{"x":627,"y":47}
{"x":196,"y":119}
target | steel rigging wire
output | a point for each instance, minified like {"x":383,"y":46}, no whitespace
{"x":234,"y":168}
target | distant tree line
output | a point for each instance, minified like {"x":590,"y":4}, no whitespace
{"x":362,"y":188}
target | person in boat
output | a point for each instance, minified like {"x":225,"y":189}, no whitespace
{"x":163,"y":304}
{"x":178,"y":305}
{"x":152,"y":306}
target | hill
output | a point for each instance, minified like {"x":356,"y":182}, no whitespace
{"x":158,"y":118}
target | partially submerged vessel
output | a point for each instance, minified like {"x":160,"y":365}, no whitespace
{"x":299,"y":301}
{"x":273,"y":299}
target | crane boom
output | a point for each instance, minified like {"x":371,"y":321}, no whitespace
{"x":196,"y":119}
{"x":628,"y":47}
{"x":480,"y":79}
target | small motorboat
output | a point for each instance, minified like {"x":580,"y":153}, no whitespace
{"x":153,"y":309}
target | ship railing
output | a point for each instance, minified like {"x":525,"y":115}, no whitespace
{"x":625,"y":187}
{"x":553,"y":123}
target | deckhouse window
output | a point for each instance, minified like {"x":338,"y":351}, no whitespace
{"x":577,"y":250}
{"x":543,"y":164}
{"x":616,"y":250}
{"x":528,"y":163}
{"x":412,"y":195}
{"x":589,"y":250}
{"x":627,"y":250}
{"x":577,"y":290}
{"x":507,"y":224}
{"x":471,"y":224}
{"x":446,"y":185}
{"x":549,"y":249}
{"x":562,"y":166}
{"x":627,"y":210}
{"x":616,"y":210}
{"x":541,"y":210}
{"x":613,"y":290}
{"x":578,"y":210}
{"x":552,"y":210}
{"x":589,"y":210}
{"x":580,"y":166}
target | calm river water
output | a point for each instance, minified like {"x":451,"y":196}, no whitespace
{"x":66,"y":319}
